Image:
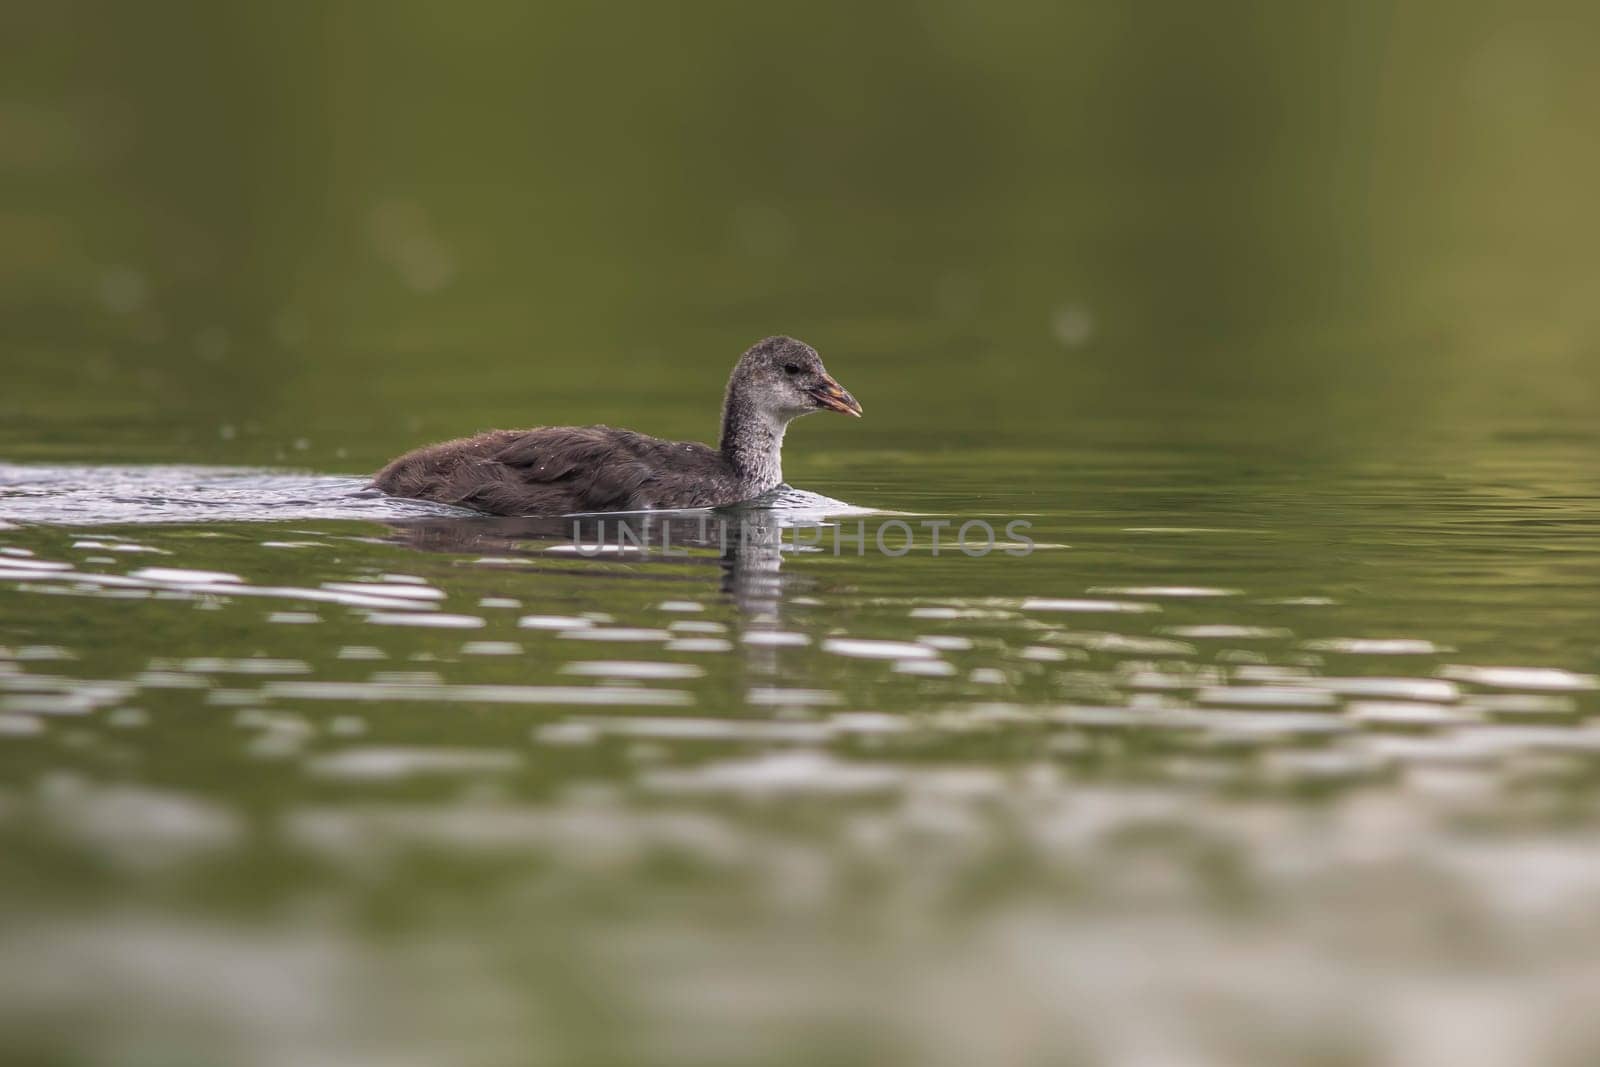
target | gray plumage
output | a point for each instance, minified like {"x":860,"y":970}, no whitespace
{"x":562,"y":470}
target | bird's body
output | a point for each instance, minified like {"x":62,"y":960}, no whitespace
{"x":562,"y":470}
{"x":559,"y":470}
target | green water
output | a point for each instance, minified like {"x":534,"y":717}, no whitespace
{"x":1278,"y":328}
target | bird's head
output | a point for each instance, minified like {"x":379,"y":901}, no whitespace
{"x":785,"y":378}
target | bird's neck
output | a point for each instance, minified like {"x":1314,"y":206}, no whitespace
{"x":752,"y":442}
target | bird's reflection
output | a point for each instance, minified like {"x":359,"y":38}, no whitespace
{"x":745,"y":544}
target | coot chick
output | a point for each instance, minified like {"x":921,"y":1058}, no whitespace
{"x":561,"y":470}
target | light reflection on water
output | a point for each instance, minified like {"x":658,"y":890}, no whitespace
{"x":419,"y":788}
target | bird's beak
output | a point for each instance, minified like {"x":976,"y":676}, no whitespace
{"x":831,"y":395}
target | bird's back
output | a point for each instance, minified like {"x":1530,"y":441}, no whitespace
{"x":560,"y":470}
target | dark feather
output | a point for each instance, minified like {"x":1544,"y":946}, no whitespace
{"x":559,"y":470}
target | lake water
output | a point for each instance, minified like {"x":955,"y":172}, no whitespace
{"x":1228,"y":763}
{"x":1277,"y":332}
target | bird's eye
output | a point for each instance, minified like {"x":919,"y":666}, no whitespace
{"x":791,"y":368}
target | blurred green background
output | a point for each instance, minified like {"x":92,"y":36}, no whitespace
{"x":319,"y":233}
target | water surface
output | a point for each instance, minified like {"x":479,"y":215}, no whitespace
{"x":1320,"y":759}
